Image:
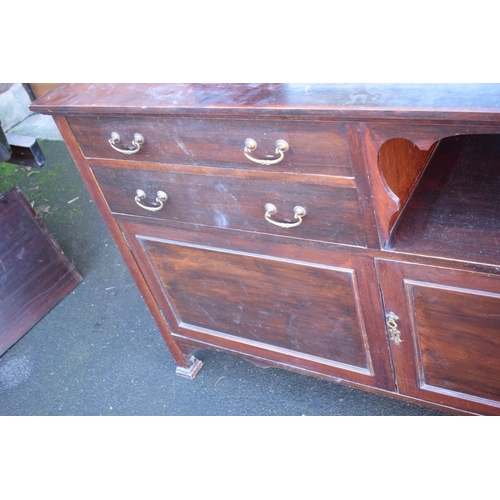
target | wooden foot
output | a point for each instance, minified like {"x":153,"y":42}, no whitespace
{"x":191,"y":371}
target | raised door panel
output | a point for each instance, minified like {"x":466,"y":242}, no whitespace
{"x":449,"y":324}
{"x":292,"y":312}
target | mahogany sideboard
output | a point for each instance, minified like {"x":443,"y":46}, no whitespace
{"x":350,"y":232}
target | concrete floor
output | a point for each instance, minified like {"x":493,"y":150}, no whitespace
{"x":98,"y":352}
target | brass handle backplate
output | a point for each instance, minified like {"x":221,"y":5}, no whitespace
{"x":281,"y":148}
{"x":160,"y":198}
{"x":392,"y":327}
{"x":298,"y":213}
{"x":137,"y":143}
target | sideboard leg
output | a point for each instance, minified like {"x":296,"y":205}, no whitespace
{"x":191,"y":371}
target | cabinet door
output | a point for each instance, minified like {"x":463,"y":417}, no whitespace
{"x":448,"y":322}
{"x":296,"y":313}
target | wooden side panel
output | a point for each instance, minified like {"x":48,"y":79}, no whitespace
{"x":114,"y":230}
{"x":450,"y":326}
{"x":401,"y":164}
{"x":34,"y":273}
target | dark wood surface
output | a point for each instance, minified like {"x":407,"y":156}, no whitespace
{"x":315,"y":147}
{"x":425,"y":136}
{"x":270,"y":301}
{"x":34,"y":273}
{"x":402,"y":181}
{"x":450,"y":326}
{"x":455,"y":210}
{"x":400,"y":184}
{"x":468,"y":102}
{"x":236,"y":201}
{"x":199,"y":280}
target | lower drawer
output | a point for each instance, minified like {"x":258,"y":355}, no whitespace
{"x":238,"y":201}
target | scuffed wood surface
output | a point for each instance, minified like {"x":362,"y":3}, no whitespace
{"x":34,"y":273}
{"x":429,"y":102}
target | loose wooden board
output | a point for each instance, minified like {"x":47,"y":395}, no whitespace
{"x":34,"y":273}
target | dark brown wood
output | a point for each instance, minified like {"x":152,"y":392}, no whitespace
{"x":315,"y":147}
{"x":455,"y":210}
{"x":264,"y":300}
{"x":450,"y":327}
{"x":430,"y":102}
{"x":387,"y":204}
{"x":402,"y":179}
{"x":365,"y":194}
{"x":114,"y":230}
{"x":306,"y":312}
{"x":35,"y":275}
{"x":237,"y":201}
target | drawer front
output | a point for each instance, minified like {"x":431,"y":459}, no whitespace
{"x":314,"y":147}
{"x":238,"y":201}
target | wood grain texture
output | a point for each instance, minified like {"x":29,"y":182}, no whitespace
{"x":365,"y":192}
{"x":299,"y":307}
{"x":35,"y":275}
{"x":340,"y":288}
{"x":387,"y":204}
{"x":394,"y":154}
{"x":96,"y":193}
{"x":237,"y":201}
{"x":455,"y":210}
{"x":343,"y":101}
{"x":399,"y":180}
{"x":315,"y":147}
{"x":450,"y":327}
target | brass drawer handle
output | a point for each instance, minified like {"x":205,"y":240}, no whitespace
{"x":137,"y":142}
{"x":160,"y":198}
{"x":298,"y":213}
{"x":281,"y":148}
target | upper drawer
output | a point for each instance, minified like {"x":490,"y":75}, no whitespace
{"x":314,"y":147}
{"x":238,"y":201}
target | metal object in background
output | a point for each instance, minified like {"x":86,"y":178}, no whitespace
{"x":5,"y":150}
{"x":20,"y":150}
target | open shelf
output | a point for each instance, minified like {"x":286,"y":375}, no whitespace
{"x":454,"y":211}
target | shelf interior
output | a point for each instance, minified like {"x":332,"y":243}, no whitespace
{"x":454,"y":211}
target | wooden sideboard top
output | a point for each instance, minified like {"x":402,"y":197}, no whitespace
{"x":427,"y":102}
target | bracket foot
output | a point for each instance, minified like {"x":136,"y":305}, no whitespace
{"x":191,"y":371}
